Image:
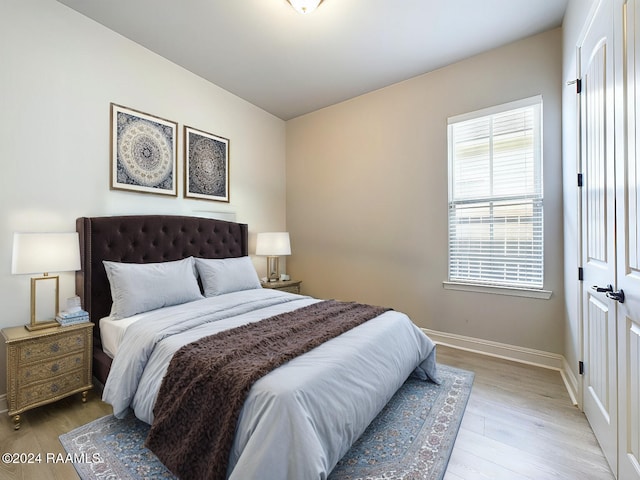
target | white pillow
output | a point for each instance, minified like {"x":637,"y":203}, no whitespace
{"x":227,"y":275}
{"x":137,"y":288}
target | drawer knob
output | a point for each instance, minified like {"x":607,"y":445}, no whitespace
{"x":55,"y":367}
{"x":55,"y":347}
{"x":54,"y":388}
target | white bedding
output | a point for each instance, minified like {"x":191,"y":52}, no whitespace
{"x":112,"y":331}
{"x":301,"y":418}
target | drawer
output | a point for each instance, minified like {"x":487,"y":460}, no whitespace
{"x":57,"y":345}
{"x":55,"y":387}
{"x":44,"y":370}
{"x":293,"y":289}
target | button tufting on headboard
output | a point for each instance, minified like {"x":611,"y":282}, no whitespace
{"x":147,"y":239}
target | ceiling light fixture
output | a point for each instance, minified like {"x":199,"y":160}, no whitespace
{"x":305,"y":6}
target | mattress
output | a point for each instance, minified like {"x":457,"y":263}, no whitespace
{"x":112,"y":331}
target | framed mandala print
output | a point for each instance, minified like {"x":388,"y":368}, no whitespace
{"x":206,"y":165}
{"x":144,"y":154}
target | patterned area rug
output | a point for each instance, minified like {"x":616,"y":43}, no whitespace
{"x":411,"y":438}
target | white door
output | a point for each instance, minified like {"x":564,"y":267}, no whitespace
{"x":627,"y":13}
{"x":598,"y":249}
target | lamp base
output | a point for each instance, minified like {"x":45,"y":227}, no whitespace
{"x":41,"y":325}
{"x":273,"y":269}
{"x":44,"y":302}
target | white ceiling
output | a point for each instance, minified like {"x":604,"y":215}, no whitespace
{"x":291,"y":64}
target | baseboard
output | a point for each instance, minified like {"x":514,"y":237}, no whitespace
{"x":570,"y":381}
{"x":514,"y":353}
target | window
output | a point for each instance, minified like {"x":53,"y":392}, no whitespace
{"x":495,"y":196}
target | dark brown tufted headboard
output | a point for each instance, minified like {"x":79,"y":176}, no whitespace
{"x":146,"y":239}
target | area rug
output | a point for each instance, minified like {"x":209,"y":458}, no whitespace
{"x":411,"y":438}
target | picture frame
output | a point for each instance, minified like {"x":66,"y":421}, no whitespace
{"x":206,"y":165}
{"x":144,"y":152}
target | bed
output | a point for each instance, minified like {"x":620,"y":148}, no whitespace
{"x":299,"y":419}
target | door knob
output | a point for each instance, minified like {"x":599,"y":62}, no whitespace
{"x":608,"y":288}
{"x":610,"y":293}
{"x":617,"y":296}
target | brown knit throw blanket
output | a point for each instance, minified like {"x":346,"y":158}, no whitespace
{"x":208,"y":380}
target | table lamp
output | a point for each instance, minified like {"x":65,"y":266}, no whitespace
{"x":43,"y":253}
{"x":273,"y":244}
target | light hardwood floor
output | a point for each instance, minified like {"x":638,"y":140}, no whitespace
{"x":519,"y":424}
{"x":39,"y":434}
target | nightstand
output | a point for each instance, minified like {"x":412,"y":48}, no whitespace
{"x":291,"y":286}
{"x":44,"y":366}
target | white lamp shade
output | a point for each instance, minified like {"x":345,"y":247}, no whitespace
{"x":305,"y":6}
{"x":45,"y":252}
{"x":273,"y":244}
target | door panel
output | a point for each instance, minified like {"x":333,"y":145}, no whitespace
{"x":595,"y":167}
{"x":629,"y":455}
{"x":600,"y":399}
{"x":598,"y":231}
{"x":598,"y":331}
{"x":628,"y":237}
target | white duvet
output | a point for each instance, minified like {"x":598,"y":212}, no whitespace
{"x":298,"y":420}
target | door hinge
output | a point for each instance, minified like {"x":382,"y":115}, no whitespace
{"x":581,"y":367}
{"x":578,"y":83}
{"x":580,"y":182}
{"x":580,"y":274}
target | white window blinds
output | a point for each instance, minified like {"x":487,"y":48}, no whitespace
{"x":495,"y":196}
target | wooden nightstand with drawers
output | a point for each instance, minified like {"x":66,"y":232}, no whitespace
{"x":291,"y":286}
{"x":44,"y":366}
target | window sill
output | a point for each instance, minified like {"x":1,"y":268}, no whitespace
{"x":512,"y":291}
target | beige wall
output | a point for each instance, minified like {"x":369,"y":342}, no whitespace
{"x":59,"y":71}
{"x":365,"y":180}
{"x":367,"y":196}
